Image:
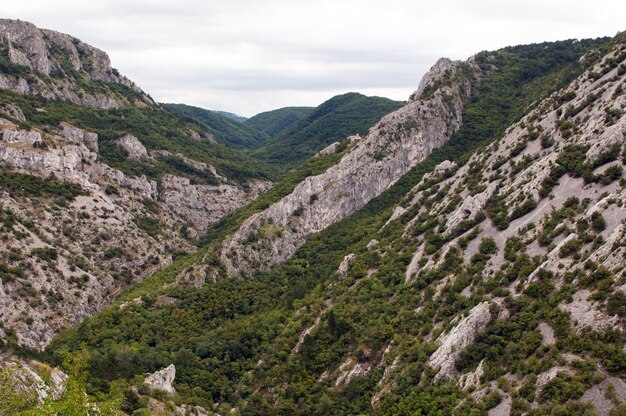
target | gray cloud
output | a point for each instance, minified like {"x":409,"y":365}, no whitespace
{"x":248,"y":56}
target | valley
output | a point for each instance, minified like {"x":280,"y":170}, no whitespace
{"x":458,"y":253}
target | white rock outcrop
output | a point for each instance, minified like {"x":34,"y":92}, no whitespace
{"x":203,"y":205}
{"x":453,"y":342}
{"x":76,"y":135}
{"x":27,"y":376}
{"x":345,"y":264}
{"x":162,"y":379}
{"x":29,"y":47}
{"x":21,"y":136}
{"x":132,"y":146}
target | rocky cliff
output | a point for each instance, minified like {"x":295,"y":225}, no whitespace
{"x":55,"y":65}
{"x":84,"y":217}
{"x":393,"y":146}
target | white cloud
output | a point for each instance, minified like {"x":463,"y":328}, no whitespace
{"x":248,"y":56}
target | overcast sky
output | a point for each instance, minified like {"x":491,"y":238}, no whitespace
{"x":249,"y":56}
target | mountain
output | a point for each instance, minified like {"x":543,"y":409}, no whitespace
{"x":223,"y":128}
{"x":100,"y":186}
{"x":465,"y":256}
{"x":54,"y":65}
{"x":286,"y":137}
{"x":332,"y":121}
{"x":232,"y":116}
{"x":276,"y":121}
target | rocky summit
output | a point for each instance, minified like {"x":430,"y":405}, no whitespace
{"x":463,"y":255}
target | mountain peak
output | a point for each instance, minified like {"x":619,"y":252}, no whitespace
{"x":55,"y":65}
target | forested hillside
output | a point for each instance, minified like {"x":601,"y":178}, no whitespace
{"x":224,"y":129}
{"x":332,"y":121}
{"x":276,"y":121}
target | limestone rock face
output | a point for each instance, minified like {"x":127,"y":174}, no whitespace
{"x":462,"y":335}
{"x":393,"y":146}
{"x":517,"y":181}
{"x":471,"y":207}
{"x":436,"y":73}
{"x":20,"y":136}
{"x":329,"y":150}
{"x":132,"y":146}
{"x":203,"y":205}
{"x":12,"y":110}
{"x":42,"y":51}
{"x":344,"y":266}
{"x":162,"y":379}
{"x":27,"y":377}
{"x":123,"y":229}
{"x":77,"y":135}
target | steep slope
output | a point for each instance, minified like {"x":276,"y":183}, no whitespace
{"x":224,"y":129}
{"x":99,"y":186}
{"x":392,"y":147}
{"x":331,"y":121}
{"x":401,"y":308}
{"x":276,"y":121}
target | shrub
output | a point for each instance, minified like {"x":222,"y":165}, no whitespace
{"x":113,"y":252}
{"x":487,"y":246}
{"x":150,"y":225}
{"x":598,"y":224}
{"x":45,"y":253}
{"x":111,"y":190}
{"x":571,"y":247}
{"x":616,"y":304}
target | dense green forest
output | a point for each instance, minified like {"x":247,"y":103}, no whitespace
{"x":232,"y":339}
{"x":276,"y":121}
{"x":332,"y":121}
{"x":232,"y":116}
{"x":223,"y":128}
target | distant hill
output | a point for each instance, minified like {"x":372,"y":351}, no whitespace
{"x":276,"y":121}
{"x":223,"y":127}
{"x":232,"y":116}
{"x":333,"y":120}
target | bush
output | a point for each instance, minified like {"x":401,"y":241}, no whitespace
{"x":150,"y":225}
{"x":598,"y":224}
{"x":569,"y":248}
{"x":487,"y":246}
{"x":111,"y":190}
{"x":23,"y":185}
{"x":45,"y":253}
{"x":113,"y":252}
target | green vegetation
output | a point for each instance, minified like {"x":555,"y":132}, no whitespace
{"x":19,"y":398}
{"x":225,"y":129}
{"x":276,"y":121}
{"x":30,"y":186}
{"x":332,"y":121}
{"x":155,"y":127}
{"x":232,"y":116}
